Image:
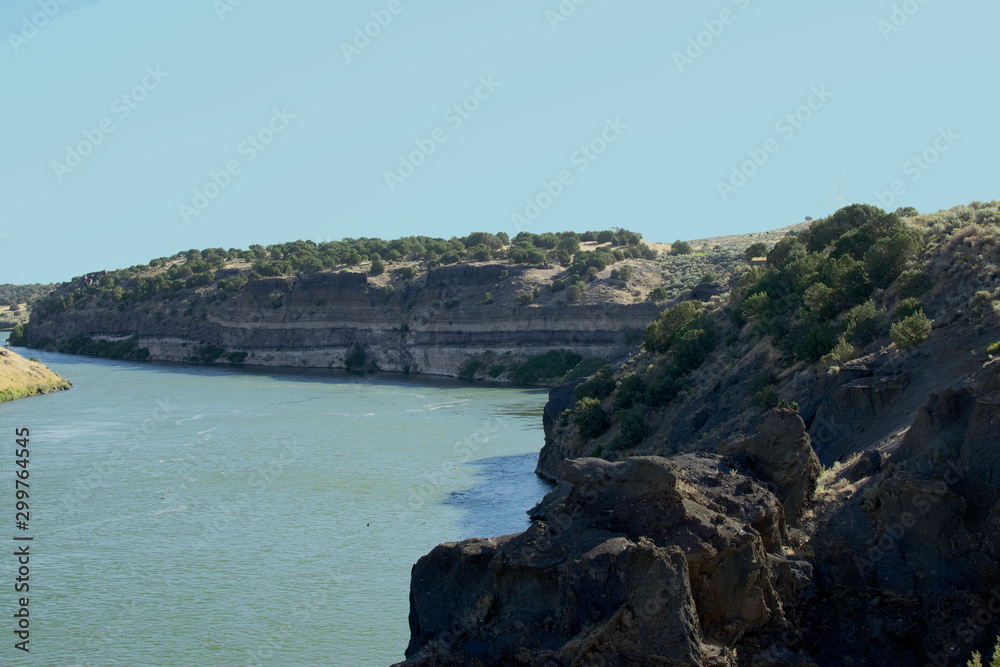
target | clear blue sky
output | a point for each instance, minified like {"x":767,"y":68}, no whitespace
{"x":681,"y":127}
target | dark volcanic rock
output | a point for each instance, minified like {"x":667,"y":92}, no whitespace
{"x":782,"y":451}
{"x":647,"y":561}
{"x":560,"y":398}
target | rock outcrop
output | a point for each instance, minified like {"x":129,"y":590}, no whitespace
{"x":647,"y":561}
{"x":432,"y":325}
{"x":783,"y":455}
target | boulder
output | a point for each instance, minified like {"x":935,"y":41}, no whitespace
{"x":782,"y":452}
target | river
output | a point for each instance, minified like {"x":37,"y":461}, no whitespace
{"x":218,"y":516}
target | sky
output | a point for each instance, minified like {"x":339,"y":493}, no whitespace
{"x":136,"y":129}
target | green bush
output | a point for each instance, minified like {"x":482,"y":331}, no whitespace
{"x":549,"y":366}
{"x":758,"y":249}
{"x":670,"y":325}
{"x":911,"y":331}
{"x":908,"y":307}
{"x":913,"y":283}
{"x":861,"y":323}
{"x":524,"y":299}
{"x":387,"y":292}
{"x":496,"y":371}
{"x":18,"y":336}
{"x":630,"y":390}
{"x":658,"y":294}
{"x":558,"y":285}
{"x":585,"y":368}
{"x":356,"y":358}
{"x":378,"y":268}
{"x":788,"y":405}
{"x":994,"y":349}
{"x":679,"y":247}
{"x":634,"y":428}
{"x":590,"y":417}
{"x":818,"y":341}
{"x":600,"y":386}
{"x":236,"y":357}
{"x":573,"y":293}
{"x":486,"y":299}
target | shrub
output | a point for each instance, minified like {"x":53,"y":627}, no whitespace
{"x":573,"y":293}
{"x":236,"y":357}
{"x":630,"y":390}
{"x":788,"y":405}
{"x":387,"y":292}
{"x":549,"y":366}
{"x":496,"y":371}
{"x":861,"y":323}
{"x":841,"y":353}
{"x":486,"y":299}
{"x":758,"y":249}
{"x":708,"y":277}
{"x":911,"y":331}
{"x":585,"y":368}
{"x":818,"y":341}
{"x":600,"y":386}
{"x":757,"y":305}
{"x":658,"y":294}
{"x":407,"y":273}
{"x":913,"y":283}
{"x":634,"y":428}
{"x":355,"y":359}
{"x":672,"y":322}
{"x":524,"y":299}
{"x":558,"y":285}
{"x":994,"y":349}
{"x":590,"y":417}
{"x":378,"y":268}
{"x":679,"y":247}
{"x":909,"y":307}
{"x":980,"y":299}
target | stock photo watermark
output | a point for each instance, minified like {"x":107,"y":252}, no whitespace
{"x":223,"y":7}
{"x":901,"y":15}
{"x":249,"y":150}
{"x":917,"y":165}
{"x":33,"y":23}
{"x":122,"y":107}
{"x":582,"y":159}
{"x":714,"y":29}
{"x":562,"y":13}
{"x":363,"y":35}
{"x":455,"y":116}
{"x":787,"y":127}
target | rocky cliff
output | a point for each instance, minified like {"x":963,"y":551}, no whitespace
{"x":857,"y":524}
{"x":433,"y":324}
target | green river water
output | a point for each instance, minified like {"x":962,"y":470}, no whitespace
{"x":214,"y":516}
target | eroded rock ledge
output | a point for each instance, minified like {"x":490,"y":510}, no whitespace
{"x":647,"y":561}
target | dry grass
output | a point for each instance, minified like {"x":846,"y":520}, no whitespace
{"x":20,"y":377}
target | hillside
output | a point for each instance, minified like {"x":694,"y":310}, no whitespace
{"x":801,"y":471}
{"x":476,"y":307}
{"x":15,"y":303}
{"x":20,"y":377}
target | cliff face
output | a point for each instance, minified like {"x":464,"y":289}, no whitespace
{"x":431,"y":325}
